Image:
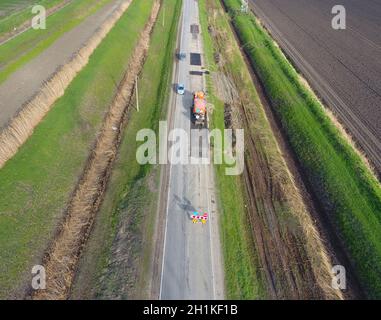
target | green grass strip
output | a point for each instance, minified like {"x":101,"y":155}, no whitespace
{"x":345,"y":187}
{"x":16,"y":17}
{"x":28,"y":45}
{"x":35,"y":185}
{"x":242,"y":278}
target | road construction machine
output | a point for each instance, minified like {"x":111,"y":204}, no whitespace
{"x":199,"y":108}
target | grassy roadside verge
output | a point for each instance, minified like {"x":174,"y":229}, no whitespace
{"x":243,"y":279}
{"x":119,"y":267}
{"x":37,"y":182}
{"x":342,"y":183}
{"x":17,"y":18}
{"x":28,"y":45}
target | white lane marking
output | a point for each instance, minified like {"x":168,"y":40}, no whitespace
{"x":210,"y":232}
{"x":199,"y":45}
{"x":170,"y":175}
{"x":170,"y":167}
{"x":165,"y":232}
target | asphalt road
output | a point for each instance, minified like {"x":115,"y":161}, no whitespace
{"x":24,"y":83}
{"x":191,"y":263}
{"x":343,"y":66}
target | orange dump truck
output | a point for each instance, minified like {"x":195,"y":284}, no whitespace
{"x":199,"y":108}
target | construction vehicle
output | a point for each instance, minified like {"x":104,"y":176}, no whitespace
{"x":199,"y":108}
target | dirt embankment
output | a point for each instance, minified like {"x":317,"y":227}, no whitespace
{"x":291,"y":253}
{"x":62,"y":257}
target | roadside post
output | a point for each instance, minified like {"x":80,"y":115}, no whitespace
{"x":137,"y":93}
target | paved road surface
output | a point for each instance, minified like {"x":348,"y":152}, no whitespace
{"x":192,"y":267}
{"x":25,"y":82}
{"x":343,"y":66}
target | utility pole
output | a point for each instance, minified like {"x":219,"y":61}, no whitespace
{"x":137,"y":93}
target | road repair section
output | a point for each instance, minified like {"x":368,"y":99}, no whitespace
{"x":192,"y":265}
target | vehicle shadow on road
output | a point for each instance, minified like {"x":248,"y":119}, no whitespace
{"x":185,"y":205}
{"x":186,"y":100}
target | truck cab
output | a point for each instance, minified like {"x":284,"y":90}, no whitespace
{"x":199,"y":108}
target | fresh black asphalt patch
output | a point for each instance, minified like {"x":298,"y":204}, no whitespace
{"x":196,"y":73}
{"x":194,"y":28}
{"x":195,"y":59}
